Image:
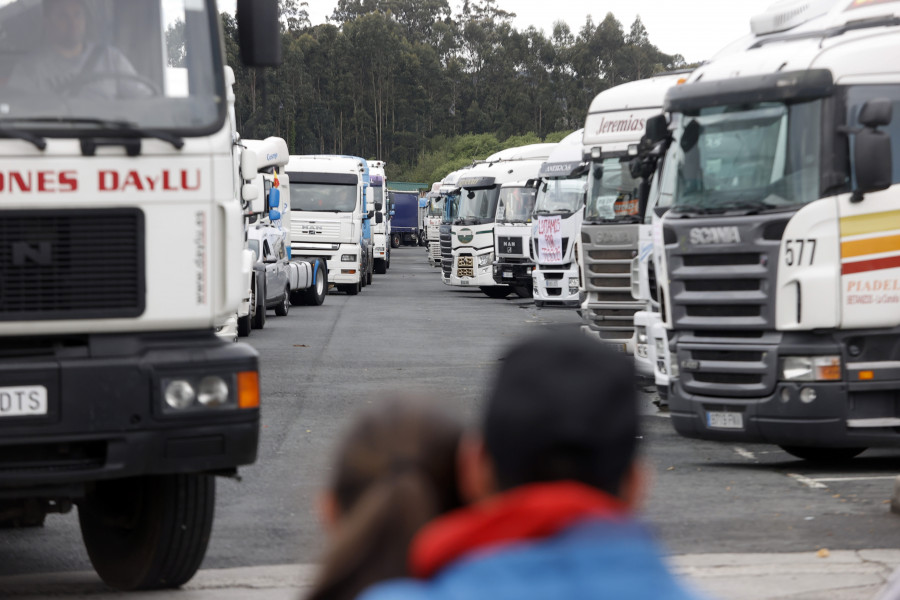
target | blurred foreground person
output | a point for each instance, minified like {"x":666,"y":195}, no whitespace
{"x":396,"y":471}
{"x":553,"y":482}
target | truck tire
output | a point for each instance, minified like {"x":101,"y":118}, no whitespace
{"x":284,"y":306}
{"x":395,"y":240}
{"x":380,"y":266}
{"x":243,"y":326}
{"x":148,"y":532}
{"x":422,"y":240}
{"x":315,"y":295}
{"x":387,"y":261}
{"x":496,"y":291}
{"x":353,"y":289}
{"x":369,"y":272}
{"x":523,"y":291}
{"x":823,"y":455}
{"x":259,"y":300}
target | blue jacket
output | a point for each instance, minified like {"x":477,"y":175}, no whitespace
{"x":595,"y":558}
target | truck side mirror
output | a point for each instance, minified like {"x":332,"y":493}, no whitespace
{"x":379,"y":206}
{"x":872,"y":157}
{"x":657,"y":129}
{"x":249,"y":193}
{"x":248,"y":164}
{"x":274,"y":198}
{"x":259,"y":32}
{"x":274,"y":215}
{"x":379,"y":218}
{"x":370,"y":214}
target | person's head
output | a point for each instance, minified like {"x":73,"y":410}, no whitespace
{"x":65,"y":23}
{"x":562,"y":407}
{"x":395,"y":471}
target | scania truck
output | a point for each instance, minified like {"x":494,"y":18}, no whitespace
{"x":614,"y":210}
{"x":472,"y":232}
{"x":782,"y":247}
{"x":328,"y":210}
{"x":433,"y":214}
{"x":450,"y":191}
{"x":559,"y":211}
{"x":120,"y":250}
{"x":381,"y":228}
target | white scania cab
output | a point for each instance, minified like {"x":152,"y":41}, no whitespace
{"x":559,"y":211}
{"x":450,"y":192}
{"x":120,"y":251}
{"x":472,"y":232}
{"x":614,"y":212}
{"x":782,"y":246}
{"x":381,"y":227}
{"x":328,"y":207}
{"x":434,"y":211}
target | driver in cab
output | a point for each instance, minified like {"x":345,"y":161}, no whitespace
{"x":69,"y":65}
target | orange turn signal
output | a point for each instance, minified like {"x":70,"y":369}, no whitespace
{"x":866,"y":375}
{"x":248,"y":389}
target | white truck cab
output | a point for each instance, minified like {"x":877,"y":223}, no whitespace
{"x":558,"y":213}
{"x":328,"y":206}
{"x":381,"y":227}
{"x":782,"y":246}
{"x":434,"y":212}
{"x":450,"y":191}
{"x":472,"y":232}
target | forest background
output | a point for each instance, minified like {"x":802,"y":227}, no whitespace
{"x":429,"y":91}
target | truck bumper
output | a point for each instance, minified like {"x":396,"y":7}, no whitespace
{"x":339,"y":272}
{"x":552,"y":287}
{"x":515,"y":274}
{"x":106,"y":415}
{"x":860,"y":410}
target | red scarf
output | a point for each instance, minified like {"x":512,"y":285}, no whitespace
{"x":529,"y":512}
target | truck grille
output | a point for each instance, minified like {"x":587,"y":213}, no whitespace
{"x":446,"y":251}
{"x":465,"y":266}
{"x":72,"y":264}
{"x":746,"y":371}
{"x":608,"y":254}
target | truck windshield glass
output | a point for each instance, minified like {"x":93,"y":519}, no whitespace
{"x":757,"y":156}
{"x":435,"y":207}
{"x":516,"y":204}
{"x":74,"y":66}
{"x":451,"y":208}
{"x":564,"y":196}
{"x":480,"y":205}
{"x":612,"y":192}
{"x":323,"y":197}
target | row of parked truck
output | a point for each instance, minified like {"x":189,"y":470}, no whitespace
{"x":735,"y":228}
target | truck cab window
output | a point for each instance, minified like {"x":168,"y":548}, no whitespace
{"x":857,"y":96}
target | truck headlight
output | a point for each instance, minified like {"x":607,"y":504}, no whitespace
{"x":485,"y":259}
{"x":641,"y":334}
{"x":810,"y":368}
{"x":348,"y":258}
{"x":573,"y":285}
{"x":180,"y":394}
{"x":213,"y":391}
{"x":660,"y":346}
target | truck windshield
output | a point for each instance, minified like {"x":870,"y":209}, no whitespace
{"x":516,"y":204}
{"x":478,"y":205}
{"x":435,"y":207}
{"x":451,"y":208}
{"x":752,"y":157}
{"x":323,"y":197}
{"x":612,"y":193}
{"x":71,"y":67}
{"x":564,"y":196}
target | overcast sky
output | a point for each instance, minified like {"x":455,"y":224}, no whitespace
{"x":696,"y":29}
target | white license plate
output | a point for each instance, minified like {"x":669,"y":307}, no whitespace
{"x":23,"y":401}
{"x":464,"y":282}
{"x":553,"y":283}
{"x":507,"y":274}
{"x":725,"y":420}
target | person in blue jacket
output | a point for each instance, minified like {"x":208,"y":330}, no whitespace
{"x":552,"y":485}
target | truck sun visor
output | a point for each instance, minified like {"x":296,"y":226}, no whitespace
{"x":792,"y":86}
{"x":334,"y":178}
{"x":563,"y":169}
{"x":376,"y":181}
{"x":474,"y":183}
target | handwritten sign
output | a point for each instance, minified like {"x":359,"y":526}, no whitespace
{"x":549,"y":234}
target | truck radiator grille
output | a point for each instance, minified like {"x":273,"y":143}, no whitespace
{"x":72,"y":264}
{"x":725,"y":371}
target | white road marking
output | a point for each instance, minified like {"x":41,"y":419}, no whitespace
{"x":811,"y":483}
{"x":745,"y":453}
{"x":863,"y":478}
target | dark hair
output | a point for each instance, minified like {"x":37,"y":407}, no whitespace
{"x":562,"y":407}
{"x":396,"y":471}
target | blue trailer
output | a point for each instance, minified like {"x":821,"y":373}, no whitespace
{"x":405,"y":222}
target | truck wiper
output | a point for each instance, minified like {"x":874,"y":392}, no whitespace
{"x":18,"y":134}
{"x":118,"y":126}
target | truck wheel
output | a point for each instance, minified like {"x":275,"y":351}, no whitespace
{"x":369,"y":274}
{"x":823,"y":455}
{"x":523,"y":291}
{"x":285,"y":306}
{"x":395,"y":240}
{"x":422,"y":240}
{"x":380,"y":266}
{"x":362,"y":278}
{"x":496,"y":291}
{"x":315,"y":295}
{"x":243,"y":326}
{"x":259,"y":300}
{"x":353,"y":289}
{"x":387,"y":261}
{"x":148,"y":532}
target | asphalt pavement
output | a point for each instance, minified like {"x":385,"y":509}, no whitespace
{"x":745,"y":522}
